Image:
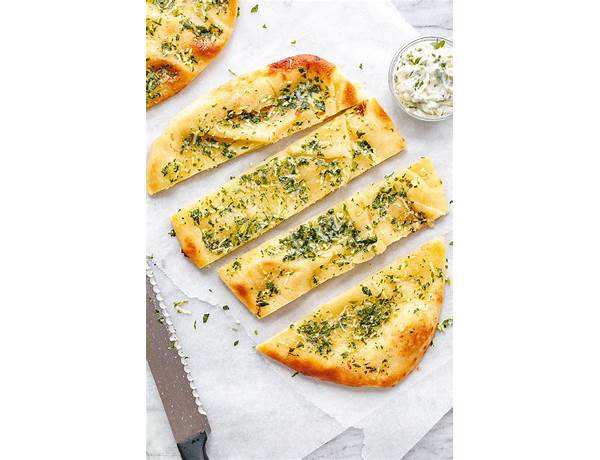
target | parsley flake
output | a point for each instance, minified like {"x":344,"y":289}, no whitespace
{"x":445,"y":324}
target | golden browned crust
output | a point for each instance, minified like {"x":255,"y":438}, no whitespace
{"x":350,"y":95}
{"x":178,"y":46}
{"x":247,"y":113}
{"x":188,"y":235}
{"x":173,"y":78}
{"x":398,"y":345}
{"x":309,"y":62}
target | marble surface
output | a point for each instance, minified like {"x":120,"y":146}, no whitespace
{"x":429,"y":17}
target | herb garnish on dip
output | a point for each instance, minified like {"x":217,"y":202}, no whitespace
{"x":423,"y":78}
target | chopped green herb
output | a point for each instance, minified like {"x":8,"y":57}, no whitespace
{"x":366,"y":290}
{"x":194,"y":324}
{"x":225,"y":307}
{"x":205,"y":317}
{"x":177,"y":305}
{"x":232,"y":72}
{"x":360,"y":66}
{"x":235,"y":344}
{"x":264,"y":26}
{"x":439,"y":44}
{"x":293,"y":42}
{"x":295,"y":374}
{"x":254,"y":9}
{"x":172,"y":232}
{"x":448,"y":322}
{"x":263,"y":295}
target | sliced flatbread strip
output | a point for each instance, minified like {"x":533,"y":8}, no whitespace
{"x":182,"y":37}
{"x":247,"y":113}
{"x":375,"y":333}
{"x":286,"y":183}
{"x":334,"y":242}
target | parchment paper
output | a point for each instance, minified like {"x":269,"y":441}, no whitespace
{"x":348,"y":33}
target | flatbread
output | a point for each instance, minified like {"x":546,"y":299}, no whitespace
{"x":352,"y":232}
{"x":182,"y":37}
{"x":247,"y":113}
{"x":374,"y":334}
{"x":286,"y":183}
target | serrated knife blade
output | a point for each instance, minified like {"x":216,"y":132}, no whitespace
{"x":175,"y":384}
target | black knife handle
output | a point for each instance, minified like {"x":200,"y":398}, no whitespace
{"x":194,"y":448}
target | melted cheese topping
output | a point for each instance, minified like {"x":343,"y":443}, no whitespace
{"x":246,"y":113}
{"x":284,"y":184}
{"x":375,"y":333}
{"x":352,"y":232}
{"x":182,"y":37}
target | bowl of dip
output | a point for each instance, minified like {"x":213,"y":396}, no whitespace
{"x":421,"y":78}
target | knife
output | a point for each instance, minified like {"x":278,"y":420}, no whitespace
{"x":169,"y":367}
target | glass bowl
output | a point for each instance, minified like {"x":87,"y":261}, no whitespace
{"x":429,"y":38}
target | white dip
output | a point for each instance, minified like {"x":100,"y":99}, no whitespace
{"x":423,"y":78}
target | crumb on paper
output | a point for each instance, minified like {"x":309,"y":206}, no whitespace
{"x":178,"y":304}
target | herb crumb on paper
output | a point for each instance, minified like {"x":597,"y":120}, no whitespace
{"x":448,"y":322}
{"x":254,"y":9}
{"x":178,"y":304}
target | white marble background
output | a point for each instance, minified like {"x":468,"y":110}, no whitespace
{"x":429,"y":17}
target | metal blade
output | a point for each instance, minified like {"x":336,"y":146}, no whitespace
{"x":169,"y":368}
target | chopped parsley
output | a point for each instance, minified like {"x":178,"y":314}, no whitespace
{"x":308,"y":240}
{"x":205,"y":317}
{"x":362,"y":321}
{"x":448,"y":322}
{"x":265,"y":294}
{"x":209,"y":32}
{"x":254,"y":9}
